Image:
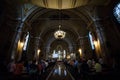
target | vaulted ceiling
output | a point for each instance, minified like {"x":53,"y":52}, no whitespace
{"x":46,"y":21}
{"x":74,"y":16}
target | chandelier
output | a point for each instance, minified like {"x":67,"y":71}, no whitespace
{"x":59,"y":34}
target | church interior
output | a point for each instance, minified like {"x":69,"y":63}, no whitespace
{"x":61,"y":36}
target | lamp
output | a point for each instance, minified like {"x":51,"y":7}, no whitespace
{"x":59,"y":34}
{"x":80,"y":51}
{"x":38,"y":52}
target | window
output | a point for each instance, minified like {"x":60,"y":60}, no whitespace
{"x":26,"y":41}
{"x":116,"y":12}
{"x":55,"y":54}
{"x":91,"y":41}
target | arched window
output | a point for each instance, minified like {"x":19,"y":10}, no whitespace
{"x":26,"y":41}
{"x":116,"y":12}
{"x":91,"y":41}
{"x":55,"y":54}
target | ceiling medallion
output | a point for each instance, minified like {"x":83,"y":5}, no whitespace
{"x":57,"y":4}
{"x":59,"y":34}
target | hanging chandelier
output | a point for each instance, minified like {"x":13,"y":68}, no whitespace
{"x":59,"y":34}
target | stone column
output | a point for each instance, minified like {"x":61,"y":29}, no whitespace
{"x":82,"y":47}
{"x":33,"y":47}
{"x":101,"y":36}
{"x":47,"y":52}
{"x":15,"y":40}
{"x":36,"y":56}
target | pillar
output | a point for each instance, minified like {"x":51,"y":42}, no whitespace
{"x":99,"y":28}
{"x":15,"y":40}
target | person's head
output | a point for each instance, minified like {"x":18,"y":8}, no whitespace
{"x":12,"y":60}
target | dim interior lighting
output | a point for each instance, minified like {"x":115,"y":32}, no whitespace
{"x":95,"y":43}
{"x":21,"y":44}
{"x":55,"y":4}
{"x":38,"y":51}
{"x":68,"y":56}
{"x":59,"y":34}
{"x":80,"y":51}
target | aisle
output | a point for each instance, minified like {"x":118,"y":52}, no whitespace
{"x":59,"y":72}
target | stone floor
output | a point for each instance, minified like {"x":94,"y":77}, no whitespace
{"x":60,"y":72}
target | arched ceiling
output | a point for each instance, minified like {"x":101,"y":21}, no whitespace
{"x":74,"y":21}
{"x":45,"y":22}
{"x":64,"y":45}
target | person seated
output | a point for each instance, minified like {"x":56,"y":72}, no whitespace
{"x":98,"y":67}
